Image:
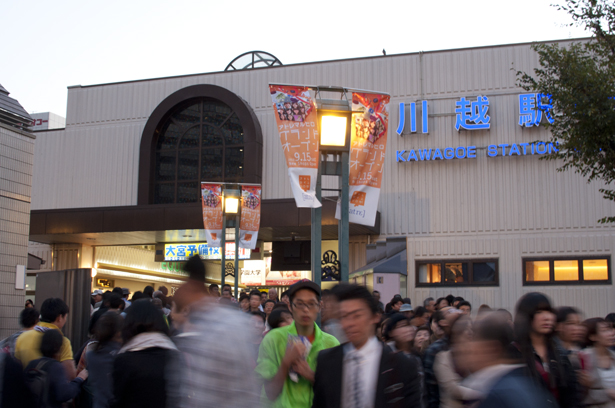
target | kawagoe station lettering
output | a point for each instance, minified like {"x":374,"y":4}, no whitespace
{"x":473,"y":115}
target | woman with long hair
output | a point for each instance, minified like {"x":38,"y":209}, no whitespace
{"x":139,"y":369}
{"x":100,"y":359}
{"x":535,"y":347}
{"x":598,"y":363}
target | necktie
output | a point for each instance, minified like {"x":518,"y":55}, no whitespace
{"x":357,"y":389}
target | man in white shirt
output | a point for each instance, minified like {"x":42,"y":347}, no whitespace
{"x":364,"y":373}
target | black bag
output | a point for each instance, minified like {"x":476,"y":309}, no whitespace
{"x":38,"y":382}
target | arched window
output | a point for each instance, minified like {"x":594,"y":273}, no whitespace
{"x":199,"y":133}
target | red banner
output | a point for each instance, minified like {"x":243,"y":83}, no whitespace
{"x":296,"y":118}
{"x":211,"y":199}
{"x":250,"y":216}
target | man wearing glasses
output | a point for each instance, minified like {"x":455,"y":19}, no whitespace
{"x":287,"y":355}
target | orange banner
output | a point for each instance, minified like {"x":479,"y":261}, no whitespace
{"x":368,"y":144}
{"x":250,"y":216}
{"x":296,"y":119}
{"x":211,"y":199}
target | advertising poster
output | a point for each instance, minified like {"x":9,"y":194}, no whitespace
{"x":211,"y":196}
{"x":250,"y":216}
{"x":296,"y":118}
{"x":368,"y":144}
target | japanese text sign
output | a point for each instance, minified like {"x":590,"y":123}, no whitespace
{"x":182,"y":252}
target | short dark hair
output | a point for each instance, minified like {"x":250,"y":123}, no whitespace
{"x":563,"y":312}
{"x":52,"y":308}
{"x":494,"y":327}
{"x":440,"y":300}
{"x":118,"y":290}
{"x":375,"y":291}
{"x":459,"y":299}
{"x":407,"y":301}
{"x":264,"y":293}
{"x":270,"y":301}
{"x":143,"y":317}
{"x":592,"y":328}
{"x":115,"y":301}
{"x":285,"y":293}
{"x":426,"y":301}
{"x":450,"y":299}
{"x":276,"y":317}
{"x":28,"y":317}
{"x":227,"y":290}
{"x":148,"y":291}
{"x":136,"y":296}
{"x":420,"y":311}
{"x":346,"y":291}
{"x":610,"y":318}
{"x":281,"y":305}
{"x":255,"y":292}
{"x":243,"y":296}
{"x":51,"y":343}
{"x":259,"y":314}
{"x":464,"y":303}
{"x":226,"y":285}
{"x":106,"y":328}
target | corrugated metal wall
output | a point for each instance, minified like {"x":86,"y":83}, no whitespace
{"x":16,"y":156}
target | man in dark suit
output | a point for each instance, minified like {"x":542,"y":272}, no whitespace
{"x":364,"y":373}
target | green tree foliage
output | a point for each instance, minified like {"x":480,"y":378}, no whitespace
{"x":580,"y":77}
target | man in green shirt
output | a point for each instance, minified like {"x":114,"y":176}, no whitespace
{"x":285,"y":365}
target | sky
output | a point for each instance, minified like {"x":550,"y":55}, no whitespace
{"x":50,"y":45}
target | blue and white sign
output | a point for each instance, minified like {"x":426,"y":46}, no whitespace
{"x":402,"y":117}
{"x":531,"y":108}
{"x":472,"y":115}
{"x":182,"y":252}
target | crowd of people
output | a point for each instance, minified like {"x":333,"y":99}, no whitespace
{"x":307,"y":347}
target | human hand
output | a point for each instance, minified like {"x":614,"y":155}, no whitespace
{"x":584,"y":378}
{"x":293,"y":354}
{"x":302,"y":368}
{"x":83,"y":375}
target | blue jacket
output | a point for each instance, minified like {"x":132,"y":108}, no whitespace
{"x":60,"y":389}
{"x":516,"y":390}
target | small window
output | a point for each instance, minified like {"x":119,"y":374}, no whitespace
{"x":566,"y":271}
{"x":478,"y":272}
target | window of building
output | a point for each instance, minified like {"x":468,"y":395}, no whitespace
{"x":473,"y":272}
{"x":201,"y":140}
{"x":553,"y":271}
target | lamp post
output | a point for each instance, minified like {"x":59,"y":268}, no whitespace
{"x":232,"y":194}
{"x":334,"y":128}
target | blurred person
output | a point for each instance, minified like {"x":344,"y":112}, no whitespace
{"x":163,"y":302}
{"x":214,"y":290}
{"x":395,"y":305}
{"x":465,"y":307}
{"x":255,"y":300}
{"x":14,"y":393}
{"x":100,"y":357}
{"x":544,"y":361}
{"x":189,"y":294}
{"x":148,"y":292}
{"x":28,"y":319}
{"x":400,"y":334}
{"x":421,"y":341}
{"x":136,"y":296}
{"x":164,"y":290}
{"x":280,"y":318}
{"x":598,"y":363}
{"x":500,"y":383}
{"x":376,"y":296}
{"x":443,"y":319}
{"x":111,"y":302}
{"x":284,"y":298}
{"x":329,"y":315}
{"x":97,"y":297}
{"x":268,"y":307}
{"x":450,"y":299}
{"x":456,"y":301}
{"x":257,"y":331}
{"x":483,"y":309}
{"x":54,"y":313}
{"x":264,"y":298}
{"x":570,"y":333}
{"x":406,"y":310}
{"x":610,"y":318}
{"x":364,"y":372}
{"x":441,"y":303}
{"x":430,"y":305}
{"x":419,"y":318}
{"x":436,"y":331}
{"x":287,"y":355}
{"x":273,"y":295}
{"x":407,"y":301}
{"x":147,"y":354}
{"x":227,"y":293}
{"x":244,"y":303}
{"x":58,"y":388}
{"x":125,"y":294}
{"x":29,"y":304}
{"x":448,"y":364}
{"x":507,"y":316}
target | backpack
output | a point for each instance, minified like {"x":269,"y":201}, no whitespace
{"x":38,"y":382}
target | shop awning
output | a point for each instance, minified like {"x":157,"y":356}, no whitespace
{"x":397,"y":263}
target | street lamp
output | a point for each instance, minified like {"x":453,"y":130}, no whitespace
{"x":334,"y":128}
{"x":232,"y":193}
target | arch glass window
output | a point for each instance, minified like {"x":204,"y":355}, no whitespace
{"x":201,"y":140}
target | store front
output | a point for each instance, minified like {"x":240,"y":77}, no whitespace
{"x":478,"y":214}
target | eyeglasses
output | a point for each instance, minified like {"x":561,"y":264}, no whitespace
{"x":301,"y":305}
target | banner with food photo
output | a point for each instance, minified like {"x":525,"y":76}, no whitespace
{"x":250,"y":216}
{"x":211,"y":198}
{"x":296,"y":118}
{"x":368,"y":142}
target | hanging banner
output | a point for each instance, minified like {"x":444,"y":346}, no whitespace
{"x":250,"y":216}
{"x":211,"y":196}
{"x":368,"y":143}
{"x":296,"y":117}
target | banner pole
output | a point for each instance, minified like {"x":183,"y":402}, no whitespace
{"x":317,"y":228}
{"x":223,"y":250}
{"x":343,"y":228}
{"x":236,"y":259}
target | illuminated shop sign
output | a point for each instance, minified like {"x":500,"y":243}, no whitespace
{"x":181,"y":252}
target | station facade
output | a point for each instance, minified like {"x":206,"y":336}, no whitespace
{"x":466,"y":206}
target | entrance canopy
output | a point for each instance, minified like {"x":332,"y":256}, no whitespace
{"x":397,"y":263}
